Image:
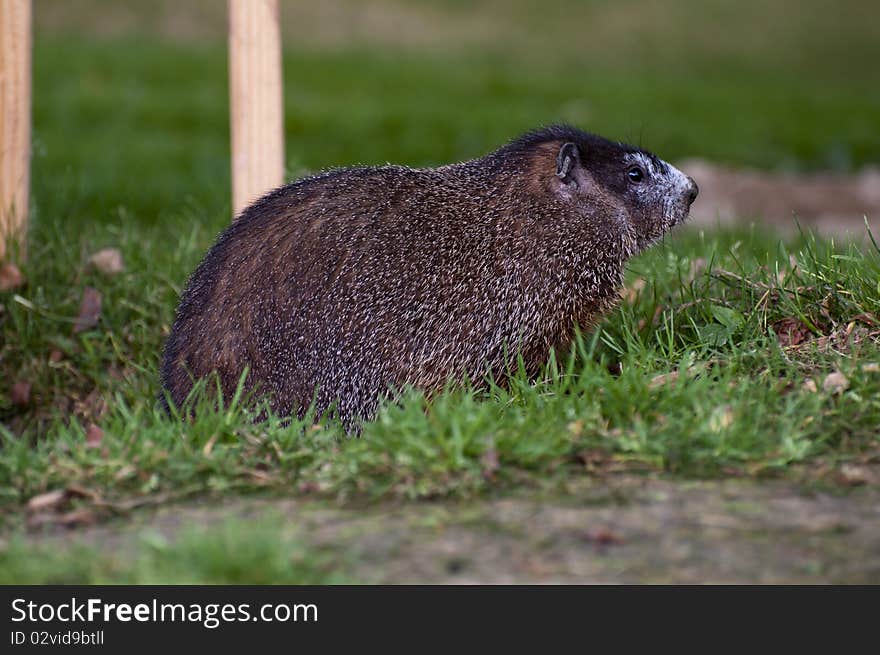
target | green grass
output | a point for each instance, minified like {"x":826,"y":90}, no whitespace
{"x":234,"y":552}
{"x":738,"y":404}
{"x":144,"y":127}
{"x":131,"y":152}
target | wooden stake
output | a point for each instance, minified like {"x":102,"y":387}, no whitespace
{"x":256,"y":109}
{"x":15,"y":124}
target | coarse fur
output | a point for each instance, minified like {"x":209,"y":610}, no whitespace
{"x":340,"y":288}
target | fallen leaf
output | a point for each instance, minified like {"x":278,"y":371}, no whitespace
{"x":95,"y":405}
{"x":75,"y":491}
{"x":259,"y":477}
{"x":866,"y":318}
{"x":77,"y":517}
{"x":810,"y":385}
{"x":125,"y":472}
{"x":56,"y":356}
{"x":108,"y":261}
{"x":21,"y":393}
{"x":10,"y":277}
{"x":853,"y":475}
{"x":594,"y":460}
{"x":89,"y":310}
{"x":94,"y":434}
{"x":602,"y":537}
{"x":721,"y":418}
{"x":663,"y":379}
{"x":873,"y":367}
{"x":835,"y":383}
{"x":48,"y":500}
{"x":140,"y":501}
{"x":791,"y":331}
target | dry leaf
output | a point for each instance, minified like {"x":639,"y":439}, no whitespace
{"x":77,"y":517}
{"x":595,"y":460}
{"x":95,"y":405}
{"x":835,"y":383}
{"x":873,"y":367}
{"x":125,"y":472}
{"x":94,"y":434}
{"x":10,"y":277}
{"x":791,"y":331}
{"x":21,"y":393}
{"x":866,"y":318}
{"x":108,"y":261}
{"x":89,"y":310}
{"x":721,"y":418}
{"x":603,"y":537}
{"x":48,"y":500}
{"x":259,"y":477}
{"x":308,"y":487}
{"x":663,"y":379}
{"x":56,"y":356}
{"x":810,"y":385}
{"x":853,"y":475}
{"x":75,"y":491}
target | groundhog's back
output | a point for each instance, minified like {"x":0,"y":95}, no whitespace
{"x":334,"y":288}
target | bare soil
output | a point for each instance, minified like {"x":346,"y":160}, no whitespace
{"x":626,"y":529}
{"x":832,"y":204}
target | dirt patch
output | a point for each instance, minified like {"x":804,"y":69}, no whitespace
{"x":834,"y":205}
{"x":626,"y":529}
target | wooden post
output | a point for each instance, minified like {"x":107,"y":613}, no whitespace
{"x":15,"y":124}
{"x":256,"y":109}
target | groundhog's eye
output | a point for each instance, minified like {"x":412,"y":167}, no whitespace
{"x":635,"y":174}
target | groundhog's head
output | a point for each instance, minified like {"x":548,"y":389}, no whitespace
{"x":633,"y":190}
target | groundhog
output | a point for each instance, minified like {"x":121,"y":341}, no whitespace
{"x":342,"y":289}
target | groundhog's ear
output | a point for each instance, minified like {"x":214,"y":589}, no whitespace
{"x":567,"y":161}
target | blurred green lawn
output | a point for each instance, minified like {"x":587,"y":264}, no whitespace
{"x":138,"y":119}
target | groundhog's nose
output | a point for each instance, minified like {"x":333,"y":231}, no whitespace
{"x":693,"y":191}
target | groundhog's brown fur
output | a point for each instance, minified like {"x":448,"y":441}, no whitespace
{"x":341,"y":287}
